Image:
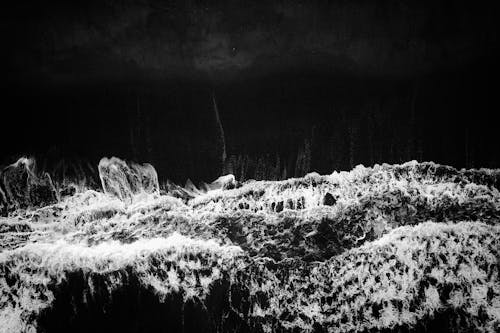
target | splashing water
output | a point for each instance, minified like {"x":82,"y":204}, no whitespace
{"x":25,"y":187}
{"x":350,"y":251}
{"x":127,"y":181}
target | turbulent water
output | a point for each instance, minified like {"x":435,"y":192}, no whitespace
{"x":393,"y":248}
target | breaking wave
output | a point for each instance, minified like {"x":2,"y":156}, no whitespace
{"x":410,"y":247}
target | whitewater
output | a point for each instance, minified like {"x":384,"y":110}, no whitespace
{"x":404,"y":247}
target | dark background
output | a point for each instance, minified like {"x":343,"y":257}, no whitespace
{"x":299,"y":85}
